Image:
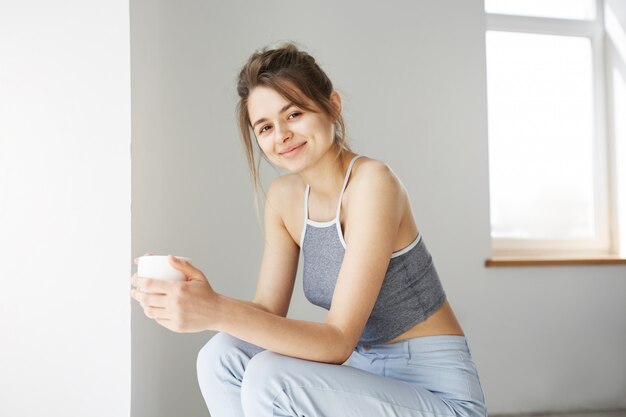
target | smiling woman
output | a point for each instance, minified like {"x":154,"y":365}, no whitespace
{"x":286,"y":128}
{"x":299,"y":73}
{"x":390,"y":343}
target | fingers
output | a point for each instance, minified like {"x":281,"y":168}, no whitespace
{"x":136,"y":260}
{"x":149,"y":299}
{"x":133,"y":280}
{"x":190,"y":271}
{"x":154,"y":312}
{"x":149,"y":285}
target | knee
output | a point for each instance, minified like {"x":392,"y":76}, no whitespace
{"x":212,"y":351}
{"x":265,"y":377}
{"x":262,"y":368}
{"x":216,"y":358}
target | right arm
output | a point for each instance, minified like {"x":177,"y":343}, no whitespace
{"x":280,"y":256}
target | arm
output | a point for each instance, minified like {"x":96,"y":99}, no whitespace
{"x":256,"y":305}
{"x":297,"y":338}
{"x":279,"y":265}
{"x":271,"y":329}
{"x":373,"y":220}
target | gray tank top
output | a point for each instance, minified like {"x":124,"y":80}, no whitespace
{"x":411,"y":290}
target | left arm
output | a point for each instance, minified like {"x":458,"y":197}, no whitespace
{"x":373,"y":219}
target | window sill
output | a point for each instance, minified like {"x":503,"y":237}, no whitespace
{"x":500,"y":261}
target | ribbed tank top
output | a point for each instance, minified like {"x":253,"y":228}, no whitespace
{"x":411,"y":290}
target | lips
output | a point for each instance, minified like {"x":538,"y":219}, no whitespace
{"x":291,"y":148}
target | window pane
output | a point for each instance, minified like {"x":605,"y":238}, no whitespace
{"x":619,"y":104}
{"x":541,"y":152}
{"x":563,"y":9}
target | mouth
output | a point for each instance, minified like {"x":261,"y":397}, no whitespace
{"x":293,"y":148}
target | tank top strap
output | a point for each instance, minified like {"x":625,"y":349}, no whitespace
{"x":306,"y":213}
{"x":345,"y":183}
{"x":306,"y":202}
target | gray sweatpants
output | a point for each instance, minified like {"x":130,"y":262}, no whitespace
{"x":428,"y":377}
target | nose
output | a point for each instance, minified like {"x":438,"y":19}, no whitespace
{"x":283,"y":133}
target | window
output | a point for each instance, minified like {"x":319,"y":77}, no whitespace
{"x":551,"y":159}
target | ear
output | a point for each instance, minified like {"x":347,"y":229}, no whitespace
{"x":335,"y":99}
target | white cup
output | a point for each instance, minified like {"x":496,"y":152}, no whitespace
{"x":158,"y":267}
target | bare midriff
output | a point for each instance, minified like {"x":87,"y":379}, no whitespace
{"x":442,"y":322}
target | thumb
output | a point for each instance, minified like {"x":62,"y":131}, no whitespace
{"x":186,"y":268}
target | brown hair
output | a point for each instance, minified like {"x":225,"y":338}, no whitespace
{"x":295,"y":75}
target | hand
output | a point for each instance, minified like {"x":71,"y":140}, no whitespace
{"x":181,"y":306}
{"x":136,"y":260}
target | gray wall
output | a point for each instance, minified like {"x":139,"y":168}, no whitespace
{"x":412,"y":75}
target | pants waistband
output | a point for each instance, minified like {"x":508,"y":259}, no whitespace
{"x":415,"y":345}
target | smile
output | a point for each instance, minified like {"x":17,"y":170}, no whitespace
{"x":293,"y":150}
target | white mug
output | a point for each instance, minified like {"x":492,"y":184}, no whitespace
{"x":158,"y":267}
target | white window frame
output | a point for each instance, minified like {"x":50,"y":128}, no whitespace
{"x":606,"y":240}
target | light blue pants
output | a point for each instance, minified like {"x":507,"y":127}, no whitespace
{"x":429,"y":376}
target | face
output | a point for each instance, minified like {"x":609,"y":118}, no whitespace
{"x":290,"y":136}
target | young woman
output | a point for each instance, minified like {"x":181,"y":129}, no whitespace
{"x":390,"y":344}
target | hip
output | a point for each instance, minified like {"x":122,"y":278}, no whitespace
{"x":441,"y":364}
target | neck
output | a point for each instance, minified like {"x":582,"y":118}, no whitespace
{"x":327,"y":175}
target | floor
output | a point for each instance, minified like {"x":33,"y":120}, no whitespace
{"x":616,"y":413}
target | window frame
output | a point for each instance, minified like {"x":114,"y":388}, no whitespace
{"x":605,"y":242}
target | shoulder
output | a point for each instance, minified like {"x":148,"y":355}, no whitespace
{"x":286,"y":187}
{"x":372,"y":175}
{"x":284,"y":194}
{"x":375,"y":206}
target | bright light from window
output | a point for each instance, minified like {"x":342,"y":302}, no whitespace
{"x":619,"y":91}
{"x":562,"y":9}
{"x":541,"y":153}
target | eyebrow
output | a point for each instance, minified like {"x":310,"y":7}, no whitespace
{"x":263,"y":119}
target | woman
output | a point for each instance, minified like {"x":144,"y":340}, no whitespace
{"x":390,"y":344}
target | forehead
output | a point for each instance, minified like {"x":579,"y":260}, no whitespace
{"x":264,"y":101}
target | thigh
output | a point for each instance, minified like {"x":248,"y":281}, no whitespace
{"x":277,"y":385}
{"x":443,"y":366}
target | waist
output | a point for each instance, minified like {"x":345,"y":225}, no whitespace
{"x":441,"y":322}
{"x":414,"y":345}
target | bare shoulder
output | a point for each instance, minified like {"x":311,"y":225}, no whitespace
{"x":284,"y":189}
{"x":284,"y":202}
{"x":370,"y":174}
{"x":377,"y":191}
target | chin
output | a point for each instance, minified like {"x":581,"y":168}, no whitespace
{"x":292,"y":168}
{"x":295,"y":167}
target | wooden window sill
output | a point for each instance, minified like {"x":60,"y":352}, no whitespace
{"x":499,"y":261}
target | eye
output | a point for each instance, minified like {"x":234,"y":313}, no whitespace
{"x":262,"y":130}
{"x":295,"y":114}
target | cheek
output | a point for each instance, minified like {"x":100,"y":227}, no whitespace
{"x":264,"y":145}
{"x":328,"y":131}
{"x":327,"y":128}
{"x":260,"y":142}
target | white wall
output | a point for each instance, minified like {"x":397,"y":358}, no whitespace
{"x":64,"y":208}
{"x":412,"y":75}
